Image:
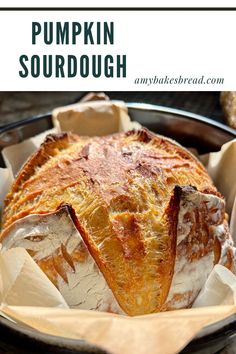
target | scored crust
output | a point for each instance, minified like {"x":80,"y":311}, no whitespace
{"x":53,"y":241}
{"x":123,"y":190}
{"x":203,"y":240}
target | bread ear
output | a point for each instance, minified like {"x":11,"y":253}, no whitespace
{"x":54,"y":242}
{"x":133,"y":210}
{"x":201,"y":226}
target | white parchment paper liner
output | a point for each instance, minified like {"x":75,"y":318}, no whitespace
{"x":149,"y":333}
{"x":24,"y":284}
{"x":94,"y":118}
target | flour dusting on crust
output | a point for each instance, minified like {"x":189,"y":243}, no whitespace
{"x":56,"y":245}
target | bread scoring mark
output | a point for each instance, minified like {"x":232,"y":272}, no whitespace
{"x":108,"y":163}
{"x":103,"y":178}
{"x":167,"y":266}
{"x":53,"y":240}
{"x":200,"y":217}
{"x":142,"y":135}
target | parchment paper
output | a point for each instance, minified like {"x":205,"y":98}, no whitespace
{"x":221,"y":167}
{"x":160,"y":333}
{"x":6,"y":178}
{"x":165,"y":333}
{"x":94,"y":118}
{"x":24,"y":284}
{"x":16,"y":155}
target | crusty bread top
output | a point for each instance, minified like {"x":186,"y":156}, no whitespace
{"x":122,"y":190}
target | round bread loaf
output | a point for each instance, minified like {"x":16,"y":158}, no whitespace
{"x":150,"y":223}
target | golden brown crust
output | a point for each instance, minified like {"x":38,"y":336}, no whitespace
{"x":53,"y":241}
{"x":123,"y":190}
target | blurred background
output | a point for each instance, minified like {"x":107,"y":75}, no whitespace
{"x":15,"y":106}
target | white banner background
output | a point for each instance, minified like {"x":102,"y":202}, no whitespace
{"x":157,"y":43}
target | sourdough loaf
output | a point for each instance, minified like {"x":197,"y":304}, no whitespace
{"x":145,"y":211}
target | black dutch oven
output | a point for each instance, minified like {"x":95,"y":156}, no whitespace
{"x":188,"y":129}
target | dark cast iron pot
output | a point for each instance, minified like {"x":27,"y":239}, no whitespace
{"x":189,"y":130}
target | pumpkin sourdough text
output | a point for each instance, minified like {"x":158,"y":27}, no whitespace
{"x":72,"y":35}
